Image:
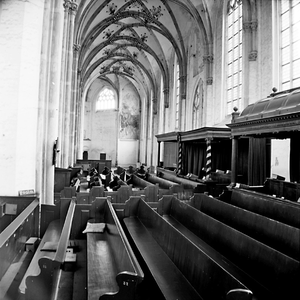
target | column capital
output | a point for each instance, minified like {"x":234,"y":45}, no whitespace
{"x":250,"y":25}
{"x":67,"y":5}
{"x":253,"y":55}
{"x":70,"y":6}
{"x":209,"y":81}
{"x":73,"y":8}
{"x":209,"y":59}
{"x":76,"y":47}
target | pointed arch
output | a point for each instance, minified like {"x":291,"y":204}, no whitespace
{"x":106,"y":99}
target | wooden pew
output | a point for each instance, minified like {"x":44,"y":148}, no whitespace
{"x":183,"y":266}
{"x":138,"y":182}
{"x":276,"y":272}
{"x":112,"y":267}
{"x":171,"y":176}
{"x":15,"y":203}
{"x":284,"y":211}
{"x":162,"y":182}
{"x":14,"y":236}
{"x":89,"y":197}
{"x":215,"y":186}
{"x":68,"y":192}
{"x":41,"y":280}
{"x":150,"y":194}
{"x":164,"y":187}
{"x":280,"y":188}
{"x":275,"y":234}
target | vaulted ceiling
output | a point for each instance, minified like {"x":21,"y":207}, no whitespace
{"x":136,"y":39}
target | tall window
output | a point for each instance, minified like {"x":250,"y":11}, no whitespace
{"x":234,"y":54}
{"x":106,"y":100}
{"x":290,"y":43}
{"x":177,"y":84}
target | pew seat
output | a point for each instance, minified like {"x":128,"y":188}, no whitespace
{"x":172,"y":283}
{"x":166,"y":247}
{"x":274,"y":274}
{"x":112,"y":267}
{"x":280,"y":236}
{"x":284,"y":211}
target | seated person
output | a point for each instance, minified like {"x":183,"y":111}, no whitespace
{"x":96,"y":182}
{"x":93,"y":172}
{"x":76,"y":181}
{"x":130,"y":170}
{"x":141,"y":172}
{"x":115,"y":184}
{"x":105,"y":171}
{"x":88,"y":179}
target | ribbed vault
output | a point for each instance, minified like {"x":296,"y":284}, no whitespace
{"x":137,"y":39}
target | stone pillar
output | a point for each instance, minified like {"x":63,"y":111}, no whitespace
{"x":53,"y":99}
{"x":234,"y":157}
{"x":71,"y":77}
{"x":68,"y":79}
{"x":166,"y":107}
{"x":66,"y":5}
{"x":182,"y":80}
{"x":76,"y":100}
{"x":80,"y":121}
{"x":166,"y":97}
{"x":207,"y":113}
{"x":234,"y":151}
{"x":158,"y":153}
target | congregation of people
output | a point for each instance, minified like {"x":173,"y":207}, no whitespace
{"x":109,"y":179}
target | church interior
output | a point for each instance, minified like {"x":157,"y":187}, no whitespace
{"x":152,"y":147}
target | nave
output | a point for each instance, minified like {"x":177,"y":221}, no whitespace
{"x":95,"y":243}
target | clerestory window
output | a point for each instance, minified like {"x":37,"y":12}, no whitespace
{"x":290,"y":43}
{"x":234,"y":54}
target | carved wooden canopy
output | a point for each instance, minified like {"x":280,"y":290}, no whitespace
{"x":276,"y":116}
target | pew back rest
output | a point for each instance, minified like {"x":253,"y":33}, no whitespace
{"x":280,"y":188}
{"x":120,"y":245}
{"x":253,"y":257}
{"x":139,"y":182}
{"x":277,"y":235}
{"x":121,"y":195}
{"x":44,"y":284}
{"x":119,"y":266}
{"x":11,"y":207}
{"x":162,"y":182}
{"x":281,"y":210}
{"x":149,"y":193}
{"x":14,"y":236}
{"x":209,"y":280}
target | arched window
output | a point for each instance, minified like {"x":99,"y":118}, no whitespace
{"x":234,"y":54}
{"x":106,"y":100}
{"x":290,"y":43}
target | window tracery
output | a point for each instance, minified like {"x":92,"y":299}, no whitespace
{"x":106,"y":100}
{"x":234,"y":54}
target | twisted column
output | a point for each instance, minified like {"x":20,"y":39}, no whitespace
{"x":208,"y":157}
{"x":179,"y":163}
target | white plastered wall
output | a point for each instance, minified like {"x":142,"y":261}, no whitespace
{"x":21,"y":26}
